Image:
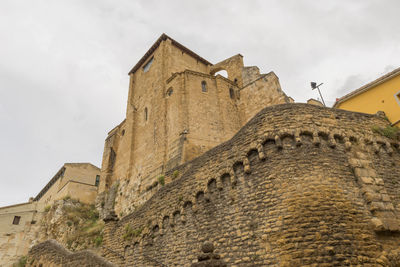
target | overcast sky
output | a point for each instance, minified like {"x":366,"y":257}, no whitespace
{"x":64,"y":64}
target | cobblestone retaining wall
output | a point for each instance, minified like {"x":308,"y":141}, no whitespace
{"x":50,"y":253}
{"x":298,"y":185}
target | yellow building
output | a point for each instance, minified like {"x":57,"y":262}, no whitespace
{"x":383,"y":94}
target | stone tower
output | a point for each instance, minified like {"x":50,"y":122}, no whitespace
{"x":178,"y":109}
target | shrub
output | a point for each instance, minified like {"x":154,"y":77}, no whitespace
{"x":67,"y":197}
{"x":130,"y":232}
{"x":175,"y":174}
{"x":98,"y":240}
{"x":161,"y":180}
{"x":389,"y":131}
{"x":47,"y":208}
{"x":21,"y":262}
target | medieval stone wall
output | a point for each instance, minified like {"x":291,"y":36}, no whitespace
{"x":50,"y":253}
{"x":298,"y":185}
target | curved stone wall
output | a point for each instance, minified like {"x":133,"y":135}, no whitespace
{"x":298,"y":185}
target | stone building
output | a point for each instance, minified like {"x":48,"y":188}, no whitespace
{"x":20,"y":223}
{"x":290,"y":185}
{"x":178,"y":108}
{"x":77,"y":180}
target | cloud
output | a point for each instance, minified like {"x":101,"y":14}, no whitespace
{"x":64,"y":64}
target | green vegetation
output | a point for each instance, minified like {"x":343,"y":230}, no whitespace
{"x":89,"y":228}
{"x":131,"y":233}
{"x":175,"y":174}
{"x":21,"y":262}
{"x":161,"y":180}
{"x":390,"y":131}
{"x":47,"y":208}
{"x":67,"y":197}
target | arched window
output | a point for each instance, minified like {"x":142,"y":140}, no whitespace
{"x":231,"y":93}
{"x":203,"y":86}
{"x":170,"y":91}
{"x":145,"y":114}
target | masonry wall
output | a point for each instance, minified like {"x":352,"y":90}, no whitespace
{"x":78,"y":181}
{"x":15,"y":240}
{"x":50,"y":253}
{"x":298,"y":185}
{"x":260,"y":91}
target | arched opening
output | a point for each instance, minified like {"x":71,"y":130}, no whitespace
{"x":170,"y":91}
{"x":223,"y":73}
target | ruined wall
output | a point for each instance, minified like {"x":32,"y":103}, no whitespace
{"x":263,"y":91}
{"x":233,"y":66}
{"x":50,"y":253}
{"x":298,"y":185}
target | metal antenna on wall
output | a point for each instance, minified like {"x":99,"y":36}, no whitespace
{"x":315,"y":86}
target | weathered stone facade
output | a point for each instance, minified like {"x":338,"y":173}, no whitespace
{"x":177,"y":110}
{"x":298,"y":185}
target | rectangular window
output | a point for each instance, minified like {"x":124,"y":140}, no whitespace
{"x":147,"y":66}
{"x":97,"y":180}
{"x":16,"y":220}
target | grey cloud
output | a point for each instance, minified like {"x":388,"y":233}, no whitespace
{"x":64,"y":64}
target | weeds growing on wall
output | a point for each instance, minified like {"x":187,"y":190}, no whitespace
{"x":161,"y":180}
{"x":391,"y":132}
{"x":175,"y":174}
{"x":88,"y":227}
{"x":131,"y":233}
{"x":21,"y":262}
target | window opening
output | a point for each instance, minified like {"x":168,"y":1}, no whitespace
{"x":147,"y":66}
{"x":231,"y":93}
{"x":97,"y":180}
{"x":111,"y":161}
{"x":16,"y":220}
{"x":170,"y":91}
{"x":145,"y":114}
{"x":123,"y":132}
{"x":203,"y":86}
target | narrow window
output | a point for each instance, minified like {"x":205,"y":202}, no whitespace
{"x":235,"y":81}
{"x":203,"y":86}
{"x":123,"y":132}
{"x":147,"y":66}
{"x":170,"y":91}
{"x":398,"y":96}
{"x":111,"y":160}
{"x":231,"y":93}
{"x":145,"y":114}
{"x":16,"y":220}
{"x":97,"y":180}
